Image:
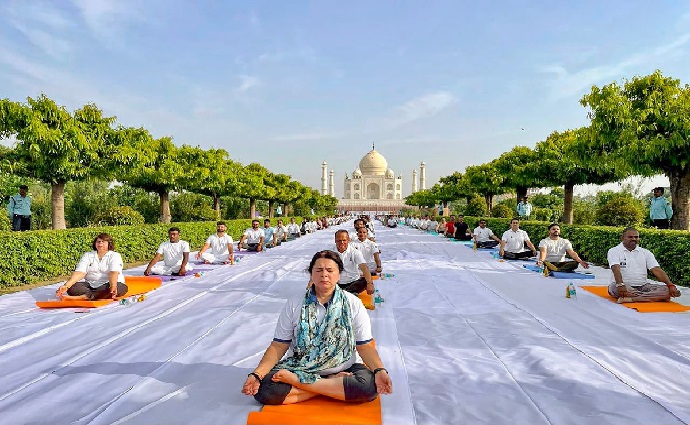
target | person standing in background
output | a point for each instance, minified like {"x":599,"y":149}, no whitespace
{"x":19,"y":210}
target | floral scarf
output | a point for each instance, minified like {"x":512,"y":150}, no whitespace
{"x":325,"y":345}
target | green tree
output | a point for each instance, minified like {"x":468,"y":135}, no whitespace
{"x":487,"y":180}
{"x":620,"y":210}
{"x":567,"y":161}
{"x":422,"y":198}
{"x":645,"y":124}
{"x":209,"y":172}
{"x":162,"y":172}
{"x":521,"y":169}
{"x":251,"y":185}
{"x":57,"y":147}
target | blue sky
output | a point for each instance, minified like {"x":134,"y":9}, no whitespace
{"x":291,"y":84}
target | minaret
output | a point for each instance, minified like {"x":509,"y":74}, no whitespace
{"x":331,"y":183}
{"x":324,"y":177}
{"x":414,"y":181}
{"x":422,"y":176}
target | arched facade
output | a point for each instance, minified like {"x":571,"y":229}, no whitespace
{"x":372,"y":186}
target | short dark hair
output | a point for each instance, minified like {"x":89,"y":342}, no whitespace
{"x":553,"y":224}
{"x":329,"y":255}
{"x":220,"y":223}
{"x":629,"y":229}
{"x":342,"y":231}
{"x":254,"y":221}
{"x":25,"y":187}
{"x":106,"y":238}
{"x":267,"y":219}
{"x":514,"y":219}
{"x":660,"y":189}
{"x":174,"y":229}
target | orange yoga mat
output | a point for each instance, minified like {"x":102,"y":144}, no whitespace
{"x":135,"y":285}
{"x":319,"y":410}
{"x":653,"y":307}
{"x":367,"y":300}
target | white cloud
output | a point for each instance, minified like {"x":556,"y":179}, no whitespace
{"x":49,"y":43}
{"x":574,"y":84}
{"x":107,"y":18}
{"x":247,"y":82}
{"x":421,"y":107}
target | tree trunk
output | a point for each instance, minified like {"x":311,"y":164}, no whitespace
{"x":57,"y":198}
{"x":680,"y":198}
{"x":271,"y":202}
{"x":252,"y":208}
{"x":489,"y":198}
{"x":216,"y":205}
{"x":520,"y":192}
{"x":165,"y":216}
{"x":285,"y":210}
{"x":568,"y":203}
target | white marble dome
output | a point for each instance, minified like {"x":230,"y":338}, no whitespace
{"x":357,"y":172}
{"x":390,"y":174}
{"x":373,"y":164}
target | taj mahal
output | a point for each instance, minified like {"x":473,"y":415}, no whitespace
{"x":372,"y":186}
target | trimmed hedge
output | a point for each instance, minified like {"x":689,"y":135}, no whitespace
{"x":670,"y":247}
{"x":36,"y":256}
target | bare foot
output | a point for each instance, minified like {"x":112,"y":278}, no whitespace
{"x":284,"y":375}
{"x":339,"y":375}
{"x":74,"y":297}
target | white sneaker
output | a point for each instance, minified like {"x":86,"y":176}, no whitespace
{"x":622,"y":300}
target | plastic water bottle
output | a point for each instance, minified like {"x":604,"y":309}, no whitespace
{"x":377,"y":298}
{"x":133,"y":299}
{"x":541,"y":268}
{"x":570,"y":291}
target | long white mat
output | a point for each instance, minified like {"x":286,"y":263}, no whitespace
{"x":467,"y":339}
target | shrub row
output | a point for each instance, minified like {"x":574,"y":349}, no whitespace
{"x":670,"y":247}
{"x":35,"y":256}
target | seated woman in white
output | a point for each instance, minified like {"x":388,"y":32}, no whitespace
{"x":98,"y":274}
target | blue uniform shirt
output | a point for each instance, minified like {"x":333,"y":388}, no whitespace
{"x":660,"y":209}
{"x":20,"y":205}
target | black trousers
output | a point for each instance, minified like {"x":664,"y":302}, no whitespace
{"x":487,"y":244}
{"x":359,"y":387}
{"x":21,"y":222}
{"x":355,"y":286}
{"x":102,"y":292}
{"x":517,"y":255}
{"x":661,"y":223}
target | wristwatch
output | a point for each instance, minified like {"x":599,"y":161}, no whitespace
{"x":618,"y":285}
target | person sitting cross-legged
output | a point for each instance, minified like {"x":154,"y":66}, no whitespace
{"x":326,"y":334}
{"x":220,"y":245}
{"x":629,"y":264}
{"x":252,"y":239}
{"x":461,"y":230}
{"x":484,"y":237}
{"x":552,"y":252}
{"x":369,"y":249}
{"x":513,"y":243}
{"x":355,"y":276}
{"x":293,"y":230}
{"x":98,"y":274}
{"x":175,"y":255}
{"x":270,"y":238}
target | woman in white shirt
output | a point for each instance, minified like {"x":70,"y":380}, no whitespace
{"x":98,"y":274}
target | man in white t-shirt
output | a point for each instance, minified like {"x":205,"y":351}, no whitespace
{"x":629,"y":265}
{"x":221,"y":247}
{"x":513,"y":243}
{"x":484,"y":237}
{"x":175,"y":255}
{"x":293,"y":230}
{"x":552,"y":252}
{"x":252,"y":239}
{"x":369,"y":249}
{"x":280,"y":232}
{"x":355,"y":276}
